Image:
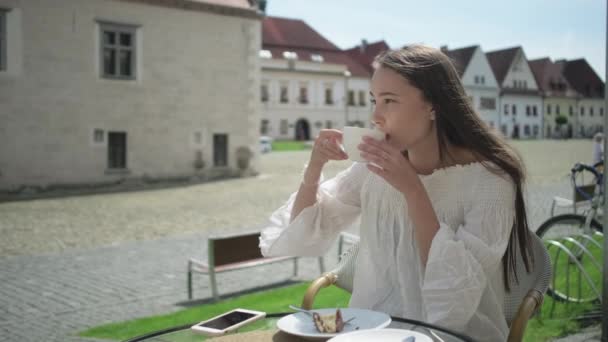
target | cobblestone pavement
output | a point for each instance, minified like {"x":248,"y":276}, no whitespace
{"x":51,"y":297}
{"x":51,"y":293}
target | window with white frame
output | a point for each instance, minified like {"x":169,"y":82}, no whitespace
{"x":284,"y":127}
{"x":351,"y":97}
{"x":504,"y":130}
{"x":265,"y":127}
{"x":98,"y":136}
{"x":290,"y":55}
{"x":316,"y":58}
{"x":197,"y":138}
{"x":284,"y":93}
{"x":117,"y":150}
{"x":3,"y":45}
{"x":362,"y":101}
{"x":118,"y":51}
{"x":264,"y":92}
{"x":557,"y":109}
{"x":265,"y":54}
{"x":3,"y":48}
{"x":220,"y":149}
{"x":487,"y":103}
{"x":303,"y":98}
{"x":329,"y":94}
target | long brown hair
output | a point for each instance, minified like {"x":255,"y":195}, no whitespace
{"x":458,"y":125}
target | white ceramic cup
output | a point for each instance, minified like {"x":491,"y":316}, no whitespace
{"x":352,"y":136}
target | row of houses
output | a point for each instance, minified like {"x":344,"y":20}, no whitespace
{"x":108,"y":91}
{"x":308,"y":84}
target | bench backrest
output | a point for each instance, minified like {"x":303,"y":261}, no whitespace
{"x":228,"y":250}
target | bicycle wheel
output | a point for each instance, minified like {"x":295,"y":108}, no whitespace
{"x":565,"y":225}
{"x":577,"y":276}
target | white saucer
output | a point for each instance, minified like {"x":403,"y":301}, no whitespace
{"x":384,"y":335}
{"x":301,"y":324}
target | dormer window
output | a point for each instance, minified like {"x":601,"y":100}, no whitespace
{"x":290,"y":55}
{"x":316,"y":58}
{"x":265,"y":54}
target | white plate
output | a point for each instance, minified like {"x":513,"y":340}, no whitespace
{"x":384,"y":335}
{"x":301,"y":324}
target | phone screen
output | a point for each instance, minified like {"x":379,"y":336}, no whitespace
{"x":227,"y":320}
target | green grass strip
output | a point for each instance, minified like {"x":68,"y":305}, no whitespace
{"x":275,"y":300}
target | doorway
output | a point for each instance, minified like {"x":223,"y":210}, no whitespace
{"x":302,"y":130}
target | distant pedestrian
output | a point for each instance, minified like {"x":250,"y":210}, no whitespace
{"x":598,"y":148}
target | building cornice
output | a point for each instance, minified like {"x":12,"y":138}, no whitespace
{"x":313,"y":72}
{"x":189,"y":5}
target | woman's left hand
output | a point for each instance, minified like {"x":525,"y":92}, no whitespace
{"x":390,"y":164}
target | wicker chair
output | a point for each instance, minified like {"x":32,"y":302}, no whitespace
{"x":520,"y":304}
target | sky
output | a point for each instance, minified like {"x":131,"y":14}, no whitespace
{"x":557,"y":29}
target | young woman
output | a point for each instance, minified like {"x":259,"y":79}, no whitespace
{"x":441,"y":208}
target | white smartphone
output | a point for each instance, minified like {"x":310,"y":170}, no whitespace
{"x":227,"y":322}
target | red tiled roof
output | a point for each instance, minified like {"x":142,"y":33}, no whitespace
{"x":281,"y":34}
{"x":293,"y":33}
{"x":549,"y":77}
{"x":583,"y":78}
{"x":540,"y":68}
{"x":500,"y":62}
{"x":461,"y":57}
{"x":365,"y":55}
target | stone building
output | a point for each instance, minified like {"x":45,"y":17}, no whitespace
{"x":103,"y":91}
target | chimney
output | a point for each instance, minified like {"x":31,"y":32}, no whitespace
{"x":363,"y":46}
{"x":262,"y":6}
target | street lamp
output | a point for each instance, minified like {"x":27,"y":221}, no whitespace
{"x":347,"y":75}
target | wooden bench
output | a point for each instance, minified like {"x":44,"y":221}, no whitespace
{"x":235,"y":252}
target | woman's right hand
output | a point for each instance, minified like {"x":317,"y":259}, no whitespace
{"x":327,"y":147}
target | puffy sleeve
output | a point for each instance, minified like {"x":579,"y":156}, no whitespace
{"x":462,"y":259}
{"x":313,"y":231}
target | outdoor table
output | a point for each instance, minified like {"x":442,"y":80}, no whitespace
{"x":265,"y":330}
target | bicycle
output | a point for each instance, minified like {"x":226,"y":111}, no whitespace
{"x":576,"y":236}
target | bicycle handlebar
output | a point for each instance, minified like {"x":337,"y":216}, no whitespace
{"x":578,"y":167}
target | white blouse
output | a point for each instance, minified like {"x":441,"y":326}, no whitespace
{"x":462,"y":285}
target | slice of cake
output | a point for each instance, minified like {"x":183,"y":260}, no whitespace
{"x":331,"y":323}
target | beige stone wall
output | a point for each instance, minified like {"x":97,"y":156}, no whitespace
{"x":196,"y":72}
